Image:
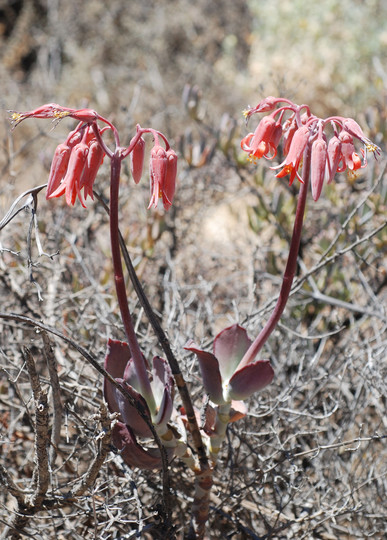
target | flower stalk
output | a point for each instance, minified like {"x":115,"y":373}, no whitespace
{"x":119,"y":281}
{"x":290,"y":268}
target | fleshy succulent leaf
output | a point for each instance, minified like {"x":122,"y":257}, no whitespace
{"x":129,"y":415}
{"x":117,"y":356}
{"x":131,"y":452}
{"x":165,"y":409}
{"x":162,"y":387}
{"x":209,"y":368}
{"x":238,"y":410}
{"x":250,"y":379}
{"x":230,"y":346}
{"x":162,"y":378}
{"x":130,"y":374}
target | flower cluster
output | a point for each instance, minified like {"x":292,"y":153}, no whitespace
{"x":77,"y":160}
{"x":75,"y":165}
{"x":330,"y":140}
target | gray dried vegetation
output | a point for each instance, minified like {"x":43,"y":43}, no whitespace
{"x":309,"y":460}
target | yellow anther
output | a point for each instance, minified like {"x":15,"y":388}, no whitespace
{"x":246,"y":112}
{"x":371,"y":147}
{"x":352,"y":176}
{"x":60,"y":114}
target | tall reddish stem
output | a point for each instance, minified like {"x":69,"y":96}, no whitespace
{"x":145,"y":388}
{"x":290,"y":269}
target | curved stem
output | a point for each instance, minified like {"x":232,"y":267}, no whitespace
{"x":165,"y":345}
{"x":144,"y":384}
{"x":290,"y":269}
{"x":101,"y":142}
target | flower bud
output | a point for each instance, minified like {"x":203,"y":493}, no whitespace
{"x":317,"y":166}
{"x":93,"y":163}
{"x":168,"y":190}
{"x":137,"y":159}
{"x":58,"y":169}
{"x":158,"y":171}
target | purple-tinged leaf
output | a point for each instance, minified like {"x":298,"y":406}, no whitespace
{"x":130,"y":374}
{"x":230,"y":346}
{"x":250,"y":379}
{"x":129,"y":414}
{"x":165,"y":409}
{"x":117,"y":356}
{"x":131,"y":452}
{"x":209,"y":368}
{"x":162,"y":378}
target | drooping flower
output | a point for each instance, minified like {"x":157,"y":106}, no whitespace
{"x":75,"y":166}
{"x":70,"y":185}
{"x":350,"y":158}
{"x":294,"y":157}
{"x":317,"y":166}
{"x":259,"y":143}
{"x":300,"y":130}
{"x":158,"y":171}
{"x":90,"y":170}
{"x":289,"y":129}
{"x":58,"y":169}
{"x":222,"y":379}
{"x":137,"y":159}
{"x":168,"y":190}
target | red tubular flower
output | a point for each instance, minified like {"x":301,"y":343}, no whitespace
{"x":266,"y":105}
{"x":70,"y":185}
{"x":350,"y":158}
{"x":168,"y":190}
{"x":355,"y":130}
{"x":58,"y":169}
{"x":93,"y":163}
{"x":258,"y":144}
{"x":83,"y":115}
{"x":317,"y":166}
{"x":290,"y":128}
{"x":302,"y":130}
{"x":333,"y":158}
{"x":137,"y":159}
{"x":293,"y":159}
{"x":158,"y":171}
{"x":44,"y":111}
